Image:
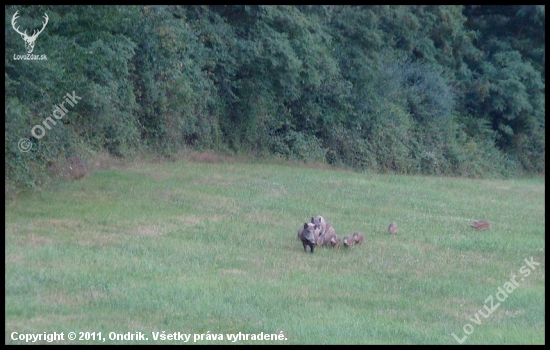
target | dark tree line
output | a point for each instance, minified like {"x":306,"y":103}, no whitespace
{"x":443,"y":90}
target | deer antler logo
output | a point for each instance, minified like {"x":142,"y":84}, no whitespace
{"x":29,"y":40}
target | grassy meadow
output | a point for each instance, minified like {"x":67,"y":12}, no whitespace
{"x":211,"y":248}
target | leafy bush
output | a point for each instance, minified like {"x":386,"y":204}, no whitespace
{"x":442,"y":90}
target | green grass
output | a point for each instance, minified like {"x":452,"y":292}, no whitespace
{"x":196,"y":247}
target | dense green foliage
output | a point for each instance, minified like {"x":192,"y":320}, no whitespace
{"x":448,"y":90}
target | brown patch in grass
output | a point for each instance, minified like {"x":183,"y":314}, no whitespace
{"x":294,"y":163}
{"x":509,"y":313}
{"x":92,"y":238}
{"x":30,"y":325}
{"x":459,"y":301}
{"x":208,"y":157}
{"x":278,"y":192}
{"x":151,"y":230}
{"x":213,"y":179}
{"x":72,"y":168}
{"x":69,"y":224}
{"x":13,"y":258}
{"x":35,"y":240}
{"x":26,"y":236}
{"x":191,"y":220}
{"x":105,"y":161}
{"x":262,"y":218}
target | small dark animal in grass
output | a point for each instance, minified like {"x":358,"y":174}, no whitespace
{"x":308,"y":236}
{"x":317,"y":231}
{"x":481,"y":225}
{"x":358,"y":237}
{"x":392,"y":229}
{"x":348,"y":241}
{"x":335,"y":241}
{"x":327,"y":239}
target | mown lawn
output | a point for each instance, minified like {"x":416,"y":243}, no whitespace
{"x":211,"y":248}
